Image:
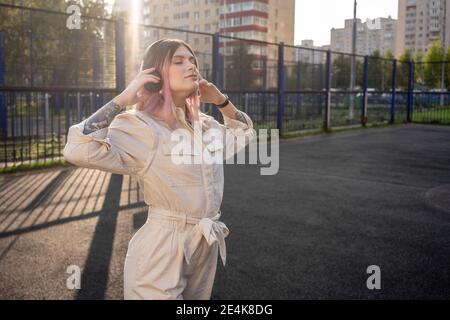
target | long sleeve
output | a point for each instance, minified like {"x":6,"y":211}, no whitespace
{"x":125,"y":147}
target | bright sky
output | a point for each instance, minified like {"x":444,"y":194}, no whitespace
{"x":315,"y":18}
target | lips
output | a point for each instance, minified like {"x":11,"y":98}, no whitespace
{"x":192,"y":76}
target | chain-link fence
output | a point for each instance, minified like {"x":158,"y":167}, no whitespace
{"x":52,"y":76}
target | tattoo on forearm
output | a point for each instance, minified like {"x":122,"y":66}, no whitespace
{"x":240,"y":117}
{"x":102,"y":117}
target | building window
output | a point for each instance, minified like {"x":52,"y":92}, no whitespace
{"x":196,"y":16}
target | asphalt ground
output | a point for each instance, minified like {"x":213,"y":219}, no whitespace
{"x":338,"y":204}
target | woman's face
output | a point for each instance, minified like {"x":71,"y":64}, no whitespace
{"x":181,"y":67}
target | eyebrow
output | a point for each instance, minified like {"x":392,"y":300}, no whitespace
{"x":181,"y":56}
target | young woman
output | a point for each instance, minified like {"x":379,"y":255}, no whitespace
{"x":174,"y":255}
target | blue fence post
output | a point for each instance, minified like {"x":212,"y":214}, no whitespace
{"x":327,"y":119}
{"x":264,"y":86}
{"x":299,"y":87}
{"x":120,"y":56}
{"x":67,"y":114}
{"x":365,"y":97}
{"x":410,"y":91}
{"x":3,"y":111}
{"x":394,"y":91}
{"x":216,"y":79}
{"x":281,"y":87}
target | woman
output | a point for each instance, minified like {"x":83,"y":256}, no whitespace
{"x":174,"y":255}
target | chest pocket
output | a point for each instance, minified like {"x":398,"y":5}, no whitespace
{"x":215,"y":149}
{"x":179,"y":167}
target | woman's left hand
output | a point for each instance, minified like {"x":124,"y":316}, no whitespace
{"x":209,"y":92}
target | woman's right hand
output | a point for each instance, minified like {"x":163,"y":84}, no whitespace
{"x":129,"y":96}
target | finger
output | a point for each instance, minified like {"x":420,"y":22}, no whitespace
{"x":147,"y":70}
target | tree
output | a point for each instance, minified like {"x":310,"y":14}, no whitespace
{"x":238,"y":73}
{"x":340,"y":72}
{"x":389,"y":55}
{"x":433,"y":65}
{"x":312,"y":76}
{"x":375,"y":71}
{"x":447,"y":69}
{"x":419,"y":76}
{"x":387,"y":69}
{"x":41,"y":50}
{"x":403,"y":69}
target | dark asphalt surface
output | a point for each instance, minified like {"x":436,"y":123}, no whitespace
{"x":338,"y":204}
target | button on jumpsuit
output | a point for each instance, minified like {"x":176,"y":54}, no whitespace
{"x":174,"y":254}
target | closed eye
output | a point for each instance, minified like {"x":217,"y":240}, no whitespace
{"x":192,"y":60}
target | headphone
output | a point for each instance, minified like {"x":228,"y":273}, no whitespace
{"x":151,"y":86}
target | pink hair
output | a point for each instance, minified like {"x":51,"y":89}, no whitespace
{"x":162,"y":106}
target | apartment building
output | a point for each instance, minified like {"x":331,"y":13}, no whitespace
{"x":373,"y":35}
{"x":265,"y":20}
{"x":421,"y":22}
{"x":311,"y":53}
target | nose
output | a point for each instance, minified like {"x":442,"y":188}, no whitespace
{"x":192,"y":66}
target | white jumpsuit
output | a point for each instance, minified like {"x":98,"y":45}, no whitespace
{"x":174,"y":255}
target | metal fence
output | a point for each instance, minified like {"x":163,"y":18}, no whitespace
{"x":52,"y":77}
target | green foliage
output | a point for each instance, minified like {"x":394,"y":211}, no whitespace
{"x":239,"y":71}
{"x":419,"y":74}
{"x":379,"y":72}
{"x":403,"y":69}
{"x":41,"y":50}
{"x":340,"y":72}
{"x":447,"y":69}
{"x":433,"y":65}
{"x":312,"y":76}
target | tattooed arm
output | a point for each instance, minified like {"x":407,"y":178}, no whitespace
{"x":232,"y":112}
{"x":103,"y":117}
